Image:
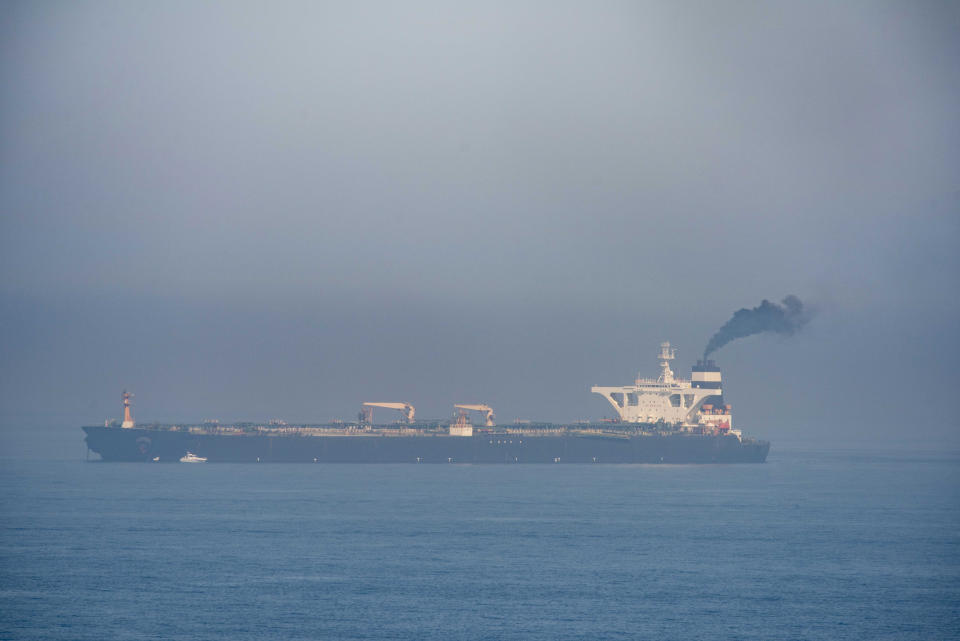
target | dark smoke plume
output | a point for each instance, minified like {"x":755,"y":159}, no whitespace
{"x":784,"y":319}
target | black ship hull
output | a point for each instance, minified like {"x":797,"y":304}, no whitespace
{"x":139,"y":444}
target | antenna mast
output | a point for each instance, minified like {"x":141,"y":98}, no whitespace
{"x":666,"y":355}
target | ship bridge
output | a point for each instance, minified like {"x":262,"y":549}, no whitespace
{"x":667,"y":398}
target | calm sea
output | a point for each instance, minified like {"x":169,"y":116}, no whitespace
{"x":808,"y":546}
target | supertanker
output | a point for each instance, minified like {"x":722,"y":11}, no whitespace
{"x":662,"y":420}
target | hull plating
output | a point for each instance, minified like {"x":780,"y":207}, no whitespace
{"x":118,"y":444}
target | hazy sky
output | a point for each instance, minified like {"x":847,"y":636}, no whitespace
{"x":245,"y":211}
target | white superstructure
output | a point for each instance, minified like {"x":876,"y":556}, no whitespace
{"x":672,"y":400}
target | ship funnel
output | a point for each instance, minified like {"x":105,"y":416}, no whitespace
{"x":706,"y":375}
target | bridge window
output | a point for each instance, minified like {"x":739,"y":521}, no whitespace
{"x":617,"y":398}
{"x":632,"y":398}
{"x":675,"y":400}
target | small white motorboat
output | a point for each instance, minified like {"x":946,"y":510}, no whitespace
{"x":192,"y":458}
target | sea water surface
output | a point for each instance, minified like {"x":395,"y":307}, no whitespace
{"x":810,"y":545}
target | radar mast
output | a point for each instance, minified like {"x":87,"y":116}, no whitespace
{"x":666,"y":355}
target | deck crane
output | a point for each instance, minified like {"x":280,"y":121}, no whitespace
{"x":486,"y":409}
{"x":407,"y":409}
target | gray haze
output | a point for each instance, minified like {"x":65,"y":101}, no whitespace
{"x":246,"y":211}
